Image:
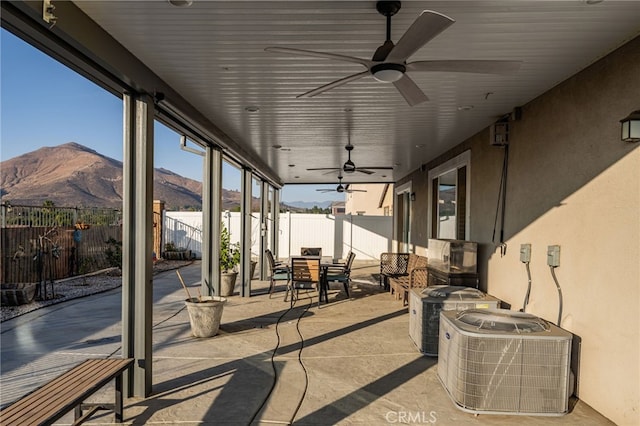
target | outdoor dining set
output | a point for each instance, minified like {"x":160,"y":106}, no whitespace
{"x":310,"y":271}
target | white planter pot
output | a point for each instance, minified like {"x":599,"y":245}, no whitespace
{"x":205,"y":315}
{"x":227,"y":283}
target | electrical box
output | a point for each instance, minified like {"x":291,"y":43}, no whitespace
{"x":553,"y":256}
{"x":499,"y":134}
{"x":525,"y":253}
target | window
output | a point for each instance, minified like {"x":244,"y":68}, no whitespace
{"x":449,"y":199}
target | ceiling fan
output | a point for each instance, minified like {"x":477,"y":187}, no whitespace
{"x":341,"y":188}
{"x":389,"y":62}
{"x":350,"y":167}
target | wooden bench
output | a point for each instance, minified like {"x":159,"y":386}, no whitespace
{"x":53,"y":400}
{"x":407,"y":270}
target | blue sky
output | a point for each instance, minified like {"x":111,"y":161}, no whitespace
{"x":44,"y":103}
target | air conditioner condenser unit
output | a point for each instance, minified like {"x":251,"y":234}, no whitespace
{"x":497,"y":361}
{"x":425,"y":305}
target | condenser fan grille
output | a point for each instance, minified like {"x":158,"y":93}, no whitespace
{"x":496,"y":320}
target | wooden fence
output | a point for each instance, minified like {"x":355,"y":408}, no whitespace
{"x":39,"y":244}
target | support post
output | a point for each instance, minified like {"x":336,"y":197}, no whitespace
{"x":211,"y":217}
{"x":245,"y":233}
{"x":275,"y":212}
{"x":137,"y":244}
{"x":264,"y":220}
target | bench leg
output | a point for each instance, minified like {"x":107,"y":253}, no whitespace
{"x":77,"y":412}
{"x":117,"y":409}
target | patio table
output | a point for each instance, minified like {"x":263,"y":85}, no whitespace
{"x":326,"y":262}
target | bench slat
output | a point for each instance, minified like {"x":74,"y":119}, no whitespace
{"x":56,"y":398}
{"x":45,"y":401}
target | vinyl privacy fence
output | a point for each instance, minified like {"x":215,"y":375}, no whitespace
{"x":367,"y":236}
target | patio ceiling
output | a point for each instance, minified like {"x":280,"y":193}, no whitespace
{"x":213,"y":54}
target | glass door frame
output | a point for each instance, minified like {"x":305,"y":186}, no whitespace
{"x":461,"y":161}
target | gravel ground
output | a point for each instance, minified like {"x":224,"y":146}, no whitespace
{"x":73,"y":288}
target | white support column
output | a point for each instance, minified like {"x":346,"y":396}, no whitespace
{"x":211,"y":214}
{"x":245,"y":232}
{"x":275,"y":211}
{"x":264,"y":237}
{"x":137,"y":244}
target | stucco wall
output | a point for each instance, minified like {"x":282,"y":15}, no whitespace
{"x":571,"y":182}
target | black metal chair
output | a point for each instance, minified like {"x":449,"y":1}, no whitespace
{"x":278,"y":271}
{"x":311,"y":251}
{"x":343,"y":274}
{"x":305,"y":275}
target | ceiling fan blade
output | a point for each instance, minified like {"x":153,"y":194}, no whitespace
{"x":428,"y":25}
{"x":410,"y":91}
{"x":314,"y":54}
{"x":325,"y":190}
{"x":326,"y":168}
{"x":375,"y":168}
{"x":470,"y":66}
{"x":355,"y":190}
{"x":334,"y":84}
{"x":365,"y":171}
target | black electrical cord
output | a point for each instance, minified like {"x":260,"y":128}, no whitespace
{"x":553,"y":274}
{"x":273,"y":365}
{"x":501,"y":204}
{"x":306,"y":374}
{"x":526,"y":297}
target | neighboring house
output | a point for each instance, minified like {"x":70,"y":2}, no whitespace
{"x":337,"y":207}
{"x":376,"y":201}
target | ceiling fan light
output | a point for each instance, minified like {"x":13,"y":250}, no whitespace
{"x":387,"y":72}
{"x":340,"y":188}
{"x":349,"y":167}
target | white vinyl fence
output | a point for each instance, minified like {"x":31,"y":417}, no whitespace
{"x":367,"y":236}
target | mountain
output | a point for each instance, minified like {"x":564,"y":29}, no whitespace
{"x":73,"y":175}
{"x":309,"y":204}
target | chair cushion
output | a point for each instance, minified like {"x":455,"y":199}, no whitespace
{"x":280,"y":276}
{"x":337,"y":277}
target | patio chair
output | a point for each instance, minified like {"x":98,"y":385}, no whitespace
{"x":278,"y":271}
{"x":342,"y":275}
{"x":311,"y":251}
{"x":305,"y":275}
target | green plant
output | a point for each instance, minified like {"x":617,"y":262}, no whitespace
{"x":113,"y":252}
{"x":170,"y":246}
{"x":229,"y":253}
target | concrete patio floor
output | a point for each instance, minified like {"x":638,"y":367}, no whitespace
{"x":359,"y":365}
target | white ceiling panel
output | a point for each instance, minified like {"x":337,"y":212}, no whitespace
{"x":213,"y":54}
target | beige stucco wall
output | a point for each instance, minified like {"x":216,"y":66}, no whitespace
{"x":368,"y":202}
{"x":571,"y":182}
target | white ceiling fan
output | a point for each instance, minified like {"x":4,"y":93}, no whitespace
{"x":389,"y":62}
{"x":350,"y":167}
{"x":340,"y":188}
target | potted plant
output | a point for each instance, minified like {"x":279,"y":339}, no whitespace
{"x":205,"y":312}
{"x":229,"y":259}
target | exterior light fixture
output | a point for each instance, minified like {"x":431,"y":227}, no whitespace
{"x":252,"y":108}
{"x":181,"y":3}
{"x":631,"y":127}
{"x":388,"y":72}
